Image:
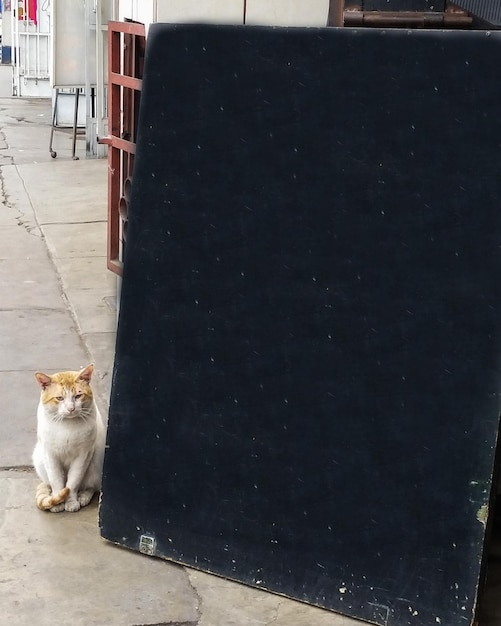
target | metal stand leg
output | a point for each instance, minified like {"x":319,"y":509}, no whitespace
{"x":52,"y":152}
{"x":75,"y":122}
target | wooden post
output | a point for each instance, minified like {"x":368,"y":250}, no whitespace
{"x":336,"y":8}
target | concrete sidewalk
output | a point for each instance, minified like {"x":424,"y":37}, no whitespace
{"x":58,"y":311}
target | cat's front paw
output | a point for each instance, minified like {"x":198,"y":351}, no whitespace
{"x":85,"y":496}
{"x":72,"y":506}
{"x":57,"y":508}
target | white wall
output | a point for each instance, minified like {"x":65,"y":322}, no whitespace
{"x":138,"y":10}
{"x":287,"y":12}
{"x":214,"y":11}
{"x":262,"y":12}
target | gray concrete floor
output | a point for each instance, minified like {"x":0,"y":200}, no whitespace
{"x":57,"y":312}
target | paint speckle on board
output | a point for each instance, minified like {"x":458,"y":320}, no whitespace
{"x":482,"y":514}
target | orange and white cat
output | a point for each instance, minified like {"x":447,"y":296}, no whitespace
{"x":69,"y":453}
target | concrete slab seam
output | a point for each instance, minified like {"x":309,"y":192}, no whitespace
{"x":64,"y":297}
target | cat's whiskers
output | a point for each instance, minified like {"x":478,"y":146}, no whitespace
{"x":85,"y":413}
{"x":82,"y":413}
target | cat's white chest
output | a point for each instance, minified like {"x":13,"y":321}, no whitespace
{"x":67,"y":437}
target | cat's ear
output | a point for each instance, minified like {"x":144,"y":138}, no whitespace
{"x":86,"y":373}
{"x":43,"y":380}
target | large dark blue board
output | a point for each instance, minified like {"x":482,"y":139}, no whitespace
{"x":307,"y":379}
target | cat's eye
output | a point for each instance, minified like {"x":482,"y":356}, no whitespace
{"x":59,"y":398}
{"x":78,"y":395}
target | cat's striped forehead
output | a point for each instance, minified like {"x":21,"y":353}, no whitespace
{"x":65,"y":384}
{"x":68,"y":380}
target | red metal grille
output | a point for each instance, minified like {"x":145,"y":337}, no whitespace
{"x":126,"y":45}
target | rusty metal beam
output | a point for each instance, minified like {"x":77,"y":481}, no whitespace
{"x":126,"y":81}
{"x":336,"y":9}
{"x":407,"y":19}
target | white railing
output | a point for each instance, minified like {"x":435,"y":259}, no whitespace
{"x":31,"y":49}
